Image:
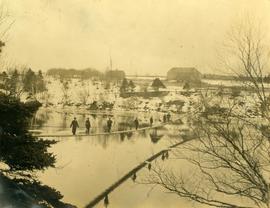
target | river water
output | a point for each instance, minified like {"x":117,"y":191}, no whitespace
{"x":86,"y":166}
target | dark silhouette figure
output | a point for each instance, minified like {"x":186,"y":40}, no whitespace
{"x":74,"y":125}
{"x":151,"y":121}
{"x":136,"y":121}
{"x":109,"y":124}
{"x":164,"y":118}
{"x":87,"y":126}
{"x":168,"y":117}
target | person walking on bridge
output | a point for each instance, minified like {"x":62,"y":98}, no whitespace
{"x":109,"y":124}
{"x":164,"y":118}
{"x":136,"y":121}
{"x":151,"y":121}
{"x":87,"y":126}
{"x":168,"y":117}
{"x":74,"y":125}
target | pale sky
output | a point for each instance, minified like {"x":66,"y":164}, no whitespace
{"x":142,"y":36}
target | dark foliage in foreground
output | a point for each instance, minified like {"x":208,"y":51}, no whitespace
{"x":23,"y":154}
{"x":19,"y":149}
{"x":25,"y":193}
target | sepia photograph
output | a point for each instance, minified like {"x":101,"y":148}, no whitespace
{"x":134,"y":103}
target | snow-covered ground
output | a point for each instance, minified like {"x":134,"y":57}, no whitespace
{"x":80,"y":94}
{"x":80,"y":91}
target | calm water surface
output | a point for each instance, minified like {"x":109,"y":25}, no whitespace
{"x":86,"y":166}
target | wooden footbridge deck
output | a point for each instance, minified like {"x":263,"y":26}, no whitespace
{"x":99,"y":134}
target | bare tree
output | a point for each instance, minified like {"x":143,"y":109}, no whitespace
{"x":65,"y":91}
{"x":246,"y":54}
{"x":230,"y":157}
{"x":46,"y":97}
{"x":84,"y":93}
{"x":6,"y":23}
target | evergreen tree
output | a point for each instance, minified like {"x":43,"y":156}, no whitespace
{"x":157,"y":84}
{"x":19,"y":149}
{"x":4,"y":75}
{"x":4,"y":81}
{"x":29,"y":82}
{"x":11,"y":83}
{"x":131,"y":86}
{"x":124,"y":85}
{"x":186,"y":86}
{"x":14,"y":82}
{"x":22,"y":152}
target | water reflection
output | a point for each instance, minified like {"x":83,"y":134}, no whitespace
{"x":127,"y":135}
{"x":55,"y":122}
{"x":155,"y":137}
{"x":39,"y":119}
{"x":90,"y":164}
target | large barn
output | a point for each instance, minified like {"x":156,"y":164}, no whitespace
{"x":184,"y":74}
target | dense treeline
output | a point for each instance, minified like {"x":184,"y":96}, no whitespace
{"x":237,"y":78}
{"x":71,"y":73}
{"x":218,"y":77}
{"x":14,"y":83}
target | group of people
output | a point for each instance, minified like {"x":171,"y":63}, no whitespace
{"x":74,"y":124}
{"x":166,"y":118}
{"x":136,"y":122}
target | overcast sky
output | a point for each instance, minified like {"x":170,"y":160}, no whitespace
{"x":142,"y":36}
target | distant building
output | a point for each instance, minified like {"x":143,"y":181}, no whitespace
{"x":184,"y":74}
{"x":115,"y":75}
